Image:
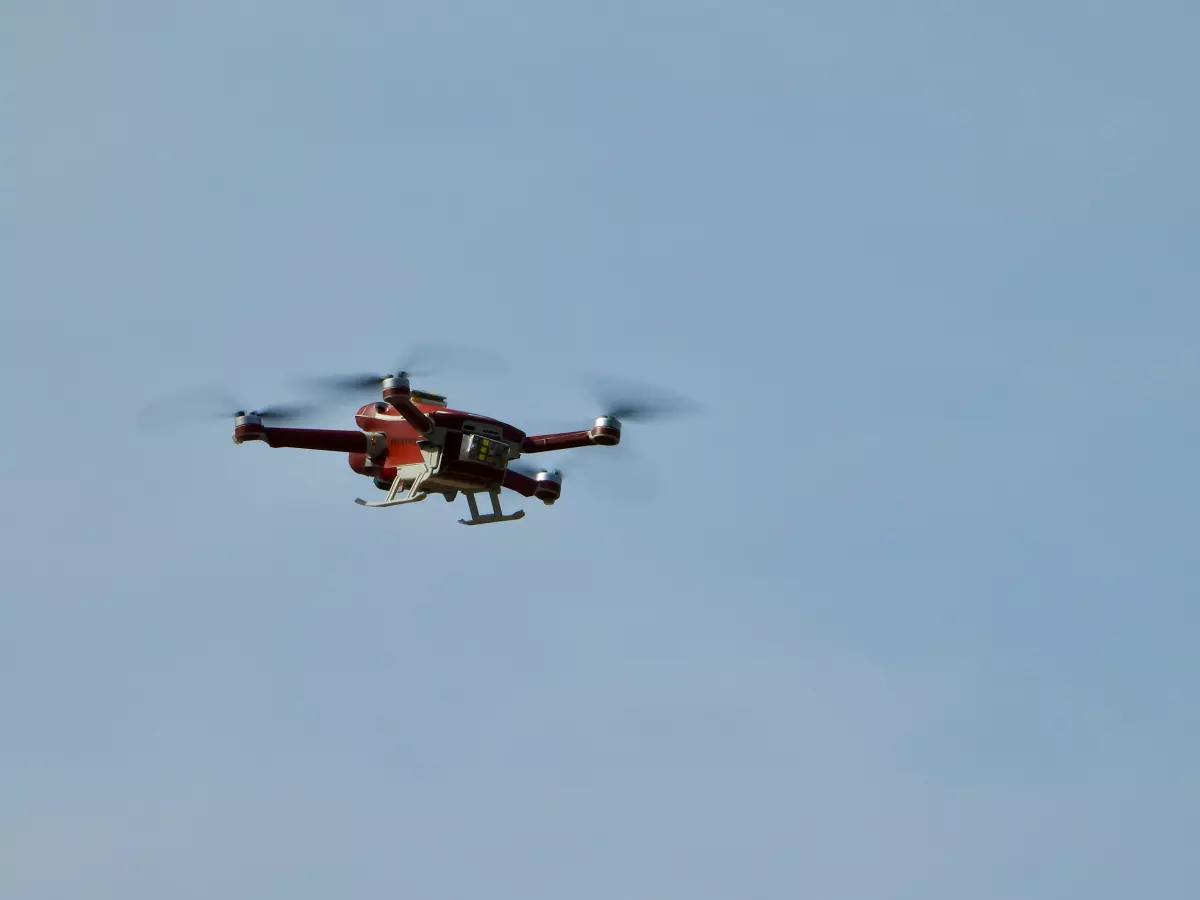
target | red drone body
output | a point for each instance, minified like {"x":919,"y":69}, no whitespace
{"x":412,"y":446}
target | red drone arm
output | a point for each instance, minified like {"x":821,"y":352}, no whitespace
{"x":250,"y":428}
{"x":397,"y":393}
{"x":546,"y":487}
{"x":522,"y":484}
{"x":563,"y":441}
{"x":314,"y":439}
{"x":606,"y":432}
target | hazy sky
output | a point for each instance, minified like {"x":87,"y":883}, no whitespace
{"x":911,"y":611}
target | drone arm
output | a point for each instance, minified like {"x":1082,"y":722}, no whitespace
{"x":522,"y":484}
{"x":412,"y":415}
{"x":605,"y":433}
{"x":397,"y":392}
{"x":565,"y":441}
{"x":314,"y":439}
{"x":546,"y":487}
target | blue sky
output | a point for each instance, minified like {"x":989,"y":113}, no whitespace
{"x":910,"y":611}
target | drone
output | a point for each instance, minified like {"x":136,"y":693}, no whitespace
{"x":413,"y":445}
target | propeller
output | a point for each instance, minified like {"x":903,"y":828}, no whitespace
{"x":626,"y":401}
{"x":420,"y":361}
{"x":639,"y":403}
{"x":280,"y":413}
{"x":622,"y":473}
{"x":212,"y":403}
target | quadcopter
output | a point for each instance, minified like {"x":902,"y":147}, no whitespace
{"x":412,"y":445}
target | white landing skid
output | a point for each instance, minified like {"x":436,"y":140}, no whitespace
{"x":415,"y":494}
{"x":496,"y":515}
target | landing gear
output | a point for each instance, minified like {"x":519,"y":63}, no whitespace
{"x":496,"y":515}
{"x":415,"y":478}
{"x":415,"y":494}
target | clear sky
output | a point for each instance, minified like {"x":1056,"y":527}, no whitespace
{"x":910,"y":611}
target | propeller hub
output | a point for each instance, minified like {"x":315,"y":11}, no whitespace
{"x":606,"y":431}
{"x":397,"y":384}
{"x":248,"y":427}
{"x":549,"y":486}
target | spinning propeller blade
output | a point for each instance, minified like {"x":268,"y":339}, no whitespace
{"x":421,"y":361}
{"x":619,"y":472}
{"x":281,"y":413}
{"x":626,"y":401}
{"x":624,"y":472}
{"x":631,"y":402}
{"x":212,"y":403}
